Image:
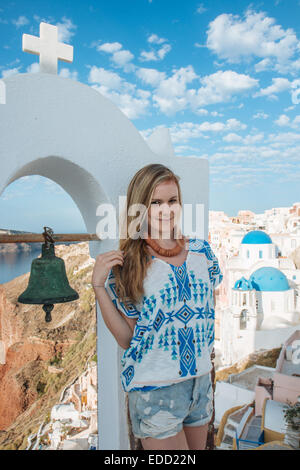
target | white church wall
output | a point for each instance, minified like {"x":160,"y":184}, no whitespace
{"x":273,"y":303}
{"x":293,"y":276}
{"x":236,"y":343}
{"x":251,"y":253}
{"x":286,"y":242}
{"x":227,"y":396}
{"x":274,"y":338}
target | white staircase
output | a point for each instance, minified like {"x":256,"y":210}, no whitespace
{"x":234,"y":426}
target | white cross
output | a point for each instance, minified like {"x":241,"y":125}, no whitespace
{"x":48,"y":48}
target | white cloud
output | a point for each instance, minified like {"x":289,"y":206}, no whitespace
{"x":155,"y":54}
{"x":122,"y":58}
{"x":263,"y":65}
{"x":110,"y":47}
{"x":204,"y":112}
{"x":163,"y":51}
{"x":295,"y":92}
{"x":211,"y":127}
{"x":39,"y":19}
{"x":285,"y":121}
{"x":174,"y":93}
{"x":284,"y":138}
{"x":255,"y":35}
{"x":220,"y":87}
{"x":160,"y":54}
{"x":119,"y":57}
{"x":33,"y":68}
{"x":232,"y":137}
{"x":197,"y":44}
{"x":278,"y":85}
{"x":253,"y":138}
{"x":185,"y":131}
{"x":229,"y":81}
{"x":150,"y":76}
{"x":65,"y":28}
{"x":171,"y":95}
{"x":132,"y":101}
{"x":249,"y":159}
{"x":105,"y":78}
{"x":281,"y":152}
{"x":201,"y":9}
{"x":154,"y":39}
{"x":235,"y":124}
{"x":8,"y":72}
{"x":179,"y":149}
{"x":289,"y":108}
{"x":20,"y":21}
{"x":215,"y":113}
{"x":66,"y":73}
{"x":260,"y":115}
{"x":147,"y":56}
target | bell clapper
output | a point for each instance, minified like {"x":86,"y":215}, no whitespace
{"x":48,"y":309}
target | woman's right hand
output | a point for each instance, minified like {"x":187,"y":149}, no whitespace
{"x":104,"y":262}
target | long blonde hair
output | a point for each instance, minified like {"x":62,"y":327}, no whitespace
{"x":129,"y":277}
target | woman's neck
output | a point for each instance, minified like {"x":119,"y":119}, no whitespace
{"x":164,"y":240}
{"x":166,"y":243}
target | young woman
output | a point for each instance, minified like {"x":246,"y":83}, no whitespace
{"x":156,"y":295}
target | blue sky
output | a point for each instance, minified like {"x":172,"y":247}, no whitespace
{"x":222,"y":75}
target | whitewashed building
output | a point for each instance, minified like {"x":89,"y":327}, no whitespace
{"x":263,"y":303}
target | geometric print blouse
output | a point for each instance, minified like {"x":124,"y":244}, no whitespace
{"x":174,"y":333}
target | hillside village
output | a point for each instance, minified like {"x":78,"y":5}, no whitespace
{"x":42,"y":361}
{"x":72,"y":424}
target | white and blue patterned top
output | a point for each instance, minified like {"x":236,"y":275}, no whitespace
{"x":174,"y":333}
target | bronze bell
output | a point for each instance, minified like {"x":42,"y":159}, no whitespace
{"x":48,"y":283}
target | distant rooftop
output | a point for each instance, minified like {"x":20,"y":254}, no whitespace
{"x":248,"y":378}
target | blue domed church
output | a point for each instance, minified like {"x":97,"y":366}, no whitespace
{"x":263,"y":307}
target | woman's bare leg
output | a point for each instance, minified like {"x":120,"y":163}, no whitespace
{"x":196,"y":436}
{"x":177,"y":442}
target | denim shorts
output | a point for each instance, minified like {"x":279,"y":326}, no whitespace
{"x":163,"y":412}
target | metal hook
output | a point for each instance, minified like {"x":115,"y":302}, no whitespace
{"x":48,"y":232}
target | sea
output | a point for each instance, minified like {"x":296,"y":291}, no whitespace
{"x":14,"y":264}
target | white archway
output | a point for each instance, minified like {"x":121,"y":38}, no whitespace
{"x":66,"y":131}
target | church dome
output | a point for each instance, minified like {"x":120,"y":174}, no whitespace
{"x":242,"y":284}
{"x":269,"y":279}
{"x":256,"y":237}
